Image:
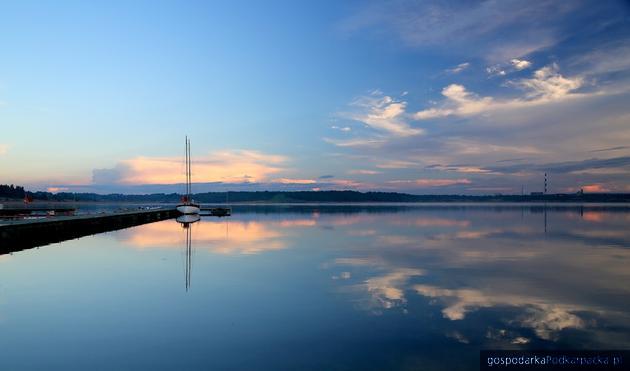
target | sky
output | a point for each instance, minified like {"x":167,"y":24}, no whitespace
{"x":425,"y":97}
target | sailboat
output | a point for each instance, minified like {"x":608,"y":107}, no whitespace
{"x":187,"y":206}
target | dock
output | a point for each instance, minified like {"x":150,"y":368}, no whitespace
{"x":29,"y":210}
{"x":16,"y":235}
{"x":216,"y":211}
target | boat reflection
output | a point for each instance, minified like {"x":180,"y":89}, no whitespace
{"x":186,"y":222}
{"x":187,"y":219}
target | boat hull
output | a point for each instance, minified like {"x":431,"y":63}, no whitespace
{"x":188,"y":218}
{"x":188,"y":209}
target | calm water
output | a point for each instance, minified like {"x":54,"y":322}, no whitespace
{"x":322,"y":288}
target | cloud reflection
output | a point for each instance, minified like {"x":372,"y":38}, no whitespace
{"x":544,"y":282}
{"x":224,"y":237}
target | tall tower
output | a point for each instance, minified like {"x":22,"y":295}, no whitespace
{"x":545,"y":183}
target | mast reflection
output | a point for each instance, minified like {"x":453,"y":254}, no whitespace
{"x":186,"y":222}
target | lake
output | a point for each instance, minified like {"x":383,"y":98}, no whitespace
{"x":322,"y":287}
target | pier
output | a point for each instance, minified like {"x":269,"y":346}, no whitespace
{"x":16,"y":235}
{"x":22,"y":211}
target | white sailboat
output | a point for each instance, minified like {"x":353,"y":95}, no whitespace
{"x":187,"y":206}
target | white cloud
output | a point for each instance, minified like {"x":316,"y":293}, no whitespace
{"x":383,"y":113}
{"x":341,"y":128}
{"x":547,"y":85}
{"x":496,"y":70}
{"x":364,"y":172}
{"x":459,"y":102}
{"x":459,"y":68}
{"x":514,"y":65}
{"x":385,"y":116}
{"x":520,"y":64}
{"x":3,"y":149}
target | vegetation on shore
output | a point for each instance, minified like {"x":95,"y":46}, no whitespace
{"x":18,"y":192}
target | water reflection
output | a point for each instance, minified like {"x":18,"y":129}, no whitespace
{"x":408,"y":287}
{"x":186,"y":222}
{"x":542,"y":282}
{"x":217,"y":235}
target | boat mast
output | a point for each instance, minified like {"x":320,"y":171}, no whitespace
{"x":189,"y":174}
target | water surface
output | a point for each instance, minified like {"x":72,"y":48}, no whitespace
{"x":314,"y":287}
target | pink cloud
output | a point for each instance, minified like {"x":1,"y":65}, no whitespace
{"x":222,"y":166}
{"x":56,"y":189}
{"x":293,"y":181}
{"x":431,"y":182}
{"x":594,"y":188}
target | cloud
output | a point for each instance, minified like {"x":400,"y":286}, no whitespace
{"x":328,"y":176}
{"x":617,"y":148}
{"x":496,"y":70}
{"x":293,"y":181}
{"x":595,"y":188}
{"x":222,"y":166}
{"x":57,"y":189}
{"x":3,"y":149}
{"x":458,"y":102}
{"x":462,"y":146}
{"x":461,"y":169}
{"x":546,"y":86}
{"x":364,"y":172}
{"x":395,"y":164}
{"x":579,"y":167}
{"x":520,"y":64}
{"x":111,"y":176}
{"x":459,"y":68}
{"x":384,"y":114}
{"x":341,"y":128}
{"x":430,"y":182}
{"x":384,"y":117}
{"x":462,"y":26}
{"x":604,"y":58}
{"x":356,"y":142}
{"x":514,"y":65}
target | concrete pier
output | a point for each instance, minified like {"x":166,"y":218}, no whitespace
{"x":24,"y":234}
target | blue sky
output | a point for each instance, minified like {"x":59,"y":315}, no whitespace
{"x":421,"y":97}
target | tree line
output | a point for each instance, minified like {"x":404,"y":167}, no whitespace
{"x":18,"y":192}
{"x":12,"y":191}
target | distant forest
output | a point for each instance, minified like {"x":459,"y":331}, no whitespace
{"x":17,"y":192}
{"x":11,"y":191}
